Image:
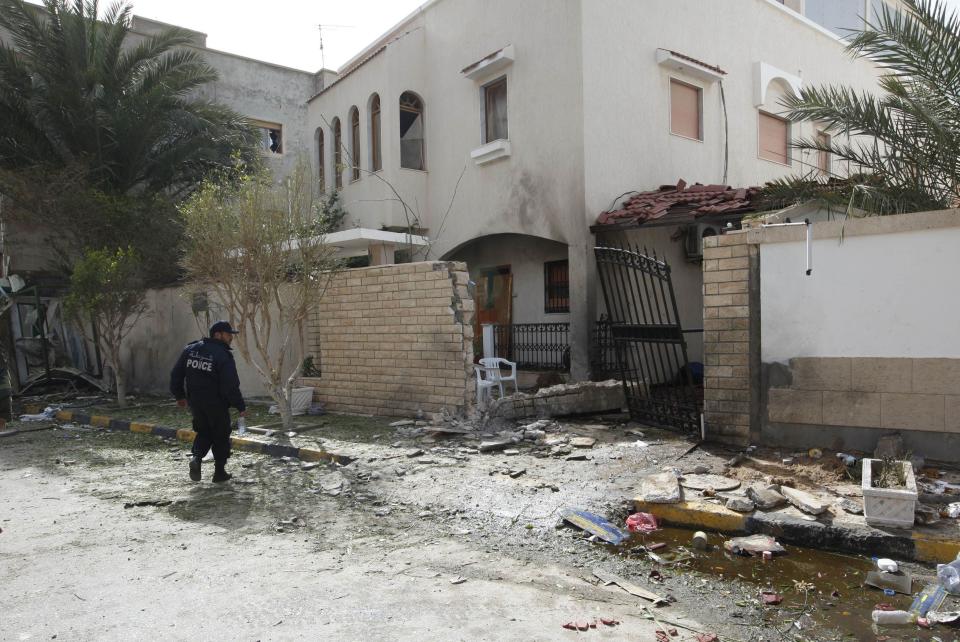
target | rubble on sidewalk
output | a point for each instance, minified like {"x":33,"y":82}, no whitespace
{"x":754,"y":545}
{"x":582,"y":398}
{"x":804,"y":501}
{"x":661,"y":488}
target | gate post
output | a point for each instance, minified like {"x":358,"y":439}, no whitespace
{"x":731,"y":337}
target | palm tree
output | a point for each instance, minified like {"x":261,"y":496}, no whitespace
{"x":77,"y":90}
{"x":904,"y":143}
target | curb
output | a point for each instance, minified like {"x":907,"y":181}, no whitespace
{"x":918,"y":546}
{"x":239,"y":443}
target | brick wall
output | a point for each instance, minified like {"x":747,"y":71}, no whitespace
{"x":395,"y":339}
{"x":728,"y":329}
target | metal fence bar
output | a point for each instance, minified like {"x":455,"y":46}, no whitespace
{"x":537,"y":346}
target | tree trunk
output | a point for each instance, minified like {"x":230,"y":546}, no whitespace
{"x":285,"y":405}
{"x":120,"y":380}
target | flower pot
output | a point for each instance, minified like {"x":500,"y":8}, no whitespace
{"x":892,"y":507}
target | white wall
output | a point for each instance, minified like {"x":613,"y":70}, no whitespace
{"x":889,"y":295}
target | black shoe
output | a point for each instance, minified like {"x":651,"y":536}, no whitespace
{"x":221,"y":476}
{"x":195,"y":469}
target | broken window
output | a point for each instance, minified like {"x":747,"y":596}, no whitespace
{"x":686,"y":104}
{"x":411,"y":131}
{"x":271,"y":136}
{"x":556,"y":280}
{"x":354,"y":144}
{"x":774,"y":139}
{"x":321,"y":174}
{"x":337,"y":154}
{"x":376,"y":163}
{"x":495,"y":111}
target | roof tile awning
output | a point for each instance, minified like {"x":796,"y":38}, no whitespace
{"x":678,"y":204}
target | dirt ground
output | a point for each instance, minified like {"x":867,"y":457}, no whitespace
{"x":421,"y":537}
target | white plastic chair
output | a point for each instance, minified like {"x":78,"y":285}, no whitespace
{"x":485,"y":384}
{"x":492,"y":366}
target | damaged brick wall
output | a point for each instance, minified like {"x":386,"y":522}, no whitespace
{"x":395,"y":339}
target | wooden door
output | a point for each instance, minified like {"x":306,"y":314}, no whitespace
{"x":494,"y":304}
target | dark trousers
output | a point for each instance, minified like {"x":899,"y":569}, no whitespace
{"x":212,"y":425}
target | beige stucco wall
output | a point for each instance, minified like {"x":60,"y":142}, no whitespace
{"x":156,"y":341}
{"x":395,"y":340}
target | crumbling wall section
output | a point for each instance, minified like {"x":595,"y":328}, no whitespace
{"x":394,"y":340}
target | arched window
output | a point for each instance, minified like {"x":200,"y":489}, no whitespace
{"x":376,"y":162}
{"x":411,"y":131}
{"x":337,"y":154}
{"x":354,"y":144}
{"x":321,"y":161}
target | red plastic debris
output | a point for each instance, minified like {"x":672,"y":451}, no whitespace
{"x":923,"y":623}
{"x":642,"y":523}
{"x":662,"y":636}
{"x":609,"y":621}
{"x":571,"y":626}
{"x":583,"y":626}
{"x":707,"y":637}
{"x":769,"y":597}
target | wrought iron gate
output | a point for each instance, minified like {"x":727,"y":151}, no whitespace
{"x":649,"y":344}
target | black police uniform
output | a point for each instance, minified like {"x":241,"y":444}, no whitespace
{"x":212,"y":387}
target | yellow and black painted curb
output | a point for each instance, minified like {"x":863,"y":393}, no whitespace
{"x":239,"y":443}
{"x":917,"y":545}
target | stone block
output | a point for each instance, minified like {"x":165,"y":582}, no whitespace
{"x":913,"y":412}
{"x":936,"y":376}
{"x":952,"y":413}
{"x":861,"y":409}
{"x":877,"y":374}
{"x":795,"y":406}
{"x":820,"y":373}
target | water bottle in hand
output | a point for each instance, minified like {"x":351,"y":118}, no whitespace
{"x":241,"y":425}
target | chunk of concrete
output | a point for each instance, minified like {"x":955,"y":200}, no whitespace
{"x":740,"y":504}
{"x":851,"y":506}
{"x":583,"y":442}
{"x":753,"y":545}
{"x":491,"y":446}
{"x":661,"y":488}
{"x":765,"y":498}
{"x":804,"y":501}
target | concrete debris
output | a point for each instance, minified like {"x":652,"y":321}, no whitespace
{"x":402,"y":423}
{"x":492,"y":446}
{"x":766,"y":498}
{"x":629,"y":587}
{"x":753,"y":545}
{"x":334,"y":483}
{"x":583,"y":442}
{"x":926,"y":515}
{"x":415,"y":453}
{"x":703,"y":482}
{"x":850,"y":506}
{"x":740,"y":504}
{"x":586,"y":397}
{"x":309,"y":465}
{"x":511,"y":452}
{"x":700,"y":470}
{"x":578,"y":457}
{"x":804,"y":501}
{"x":661,"y":488}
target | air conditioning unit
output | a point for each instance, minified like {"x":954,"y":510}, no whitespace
{"x":693,"y":239}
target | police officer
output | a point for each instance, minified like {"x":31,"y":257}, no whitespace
{"x":212,"y":387}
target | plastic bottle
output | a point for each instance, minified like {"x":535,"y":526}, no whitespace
{"x":893,"y":617}
{"x":241,"y":425}
{"x":949,"y":576}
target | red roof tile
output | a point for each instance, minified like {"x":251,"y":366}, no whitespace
{"x":679,"y":201}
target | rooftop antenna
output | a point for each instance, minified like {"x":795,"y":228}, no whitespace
{"x":320,"y":28}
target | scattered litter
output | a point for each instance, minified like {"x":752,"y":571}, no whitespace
{"x":953,"y":510}
{"x":148,"y":502}
{"x":700,"y":541}
{"x":770,"y":598}
{"x":639,"y":444}
{"x":707,"y":637}
{"x":458,"y":580}
{"x":899,"y":582}
{"x":848,"y":460}
{"x":629,"y":587}
{"x":753,"y":545}
{"x":929,"y":599}
{"x":815,"y":453}
{"x":593,"y":524}
{"x":656,"y":546}
{"x":887,"y":565}
{"x":893,"y":617}
{"x":642,"y":523}
{"x":944,"y":617}
{"x":949,"y":576}
{"x":48,"y":413}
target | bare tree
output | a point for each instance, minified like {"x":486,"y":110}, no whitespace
{"x":258,"y":248}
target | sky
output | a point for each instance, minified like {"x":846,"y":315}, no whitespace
{"x":284,"y":32}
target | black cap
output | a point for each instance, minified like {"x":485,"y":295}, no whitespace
{"x":222,"y":326}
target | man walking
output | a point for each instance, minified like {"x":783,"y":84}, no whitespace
{"x":212,"y":387}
